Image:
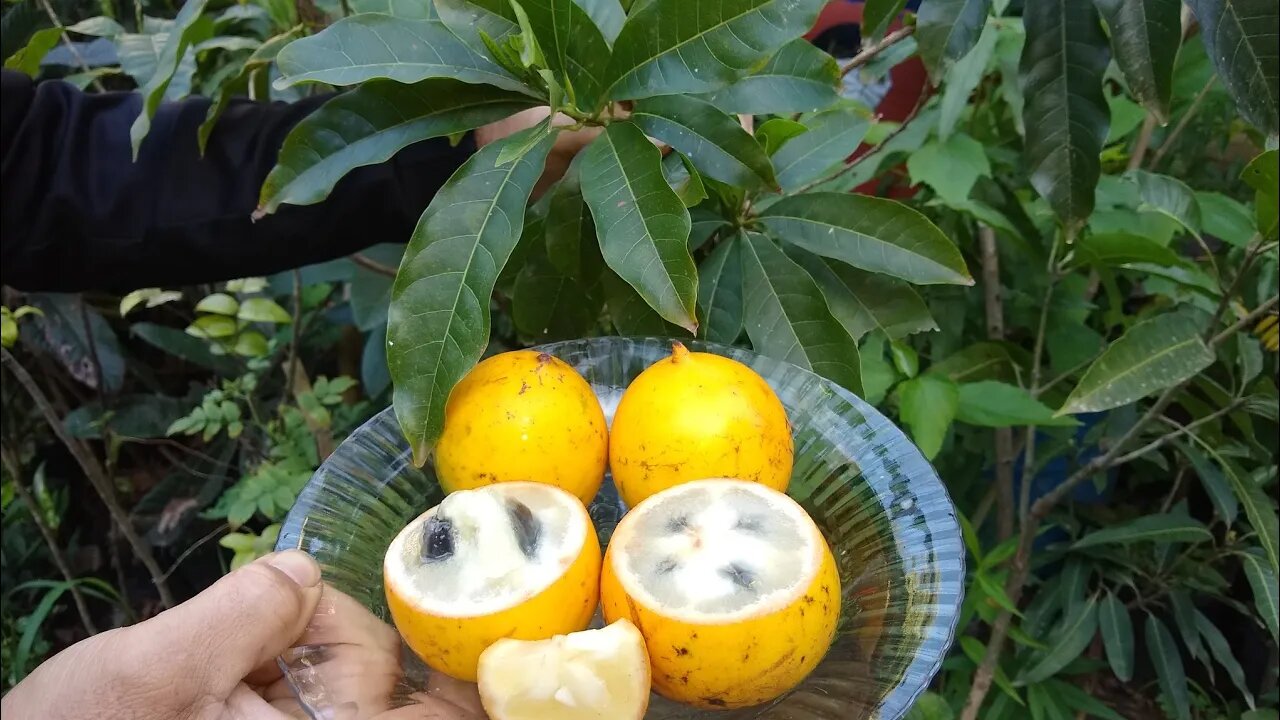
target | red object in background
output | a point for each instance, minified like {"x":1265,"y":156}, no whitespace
{"x":838,"y":30}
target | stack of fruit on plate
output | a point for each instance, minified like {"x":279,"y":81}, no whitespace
{"x":717,"y":589}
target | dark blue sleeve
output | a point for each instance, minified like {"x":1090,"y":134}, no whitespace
{"x":77,"y":213}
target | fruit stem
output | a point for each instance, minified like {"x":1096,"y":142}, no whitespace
{"x":678,"y":351}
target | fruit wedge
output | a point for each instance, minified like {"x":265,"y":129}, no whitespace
{"x":732,"y":586}
{"x":518,"y":560}
{"x":590,"y":675}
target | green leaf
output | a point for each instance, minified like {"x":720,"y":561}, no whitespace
{"x":1184,"y":617}
{"x":720,"y":299}
{"x":1168,"y":665}
{"x":963,"y":78}
{"x":1263,"y":581}
{"x":1243,"y":43}
{"x":947,"y":30}
{"x":607,"y":15}
{"x":1167,"y":196}
{"x":438,"y":323}
{"x":571,"y":244}
{"x":369,"y":125}
{"x":573,"y":46}
{"x":990,"y":403}
{"x":1066,"y":641}
{"x":1066,"y":113}
{"x":1215,"y":483}
{"x":870,"y":233}
{"x":1261,"y":513}
{"x":630,"y":314}
{"x":1263,"y":175}
{"x":183,"y":346}
{"x":218,"y":303}
{"x":787,"y":318}
{"x":864,"y":301}
{"x":979,"y":361}
{"x":369,"y":46}
{"x":774,"y":133}
{"x":27,"y":59}
{"x":186,"y":27}
{"x":685,"y":180}
{"x":832,"y":137}
{"x":1145,"y":35}
{"x":1221,"y":651}
{"x":1077,"y":699}
{"x":714,"y":142}
{"x":927,"y":404}
{"x":469,"y":19}
{"x":878,"y":15}
{"x":704,"y":224}
{"x":258,"y":62}
{"x":1117,"y":636}
{"x":1164,"y":528}
{"x":549,"y":306}
{"x":950,"y":166}
{"x":642,"y":224}
{"x":212,"y":327}
{"x":798,"y":78}
{"x":671,"y":47}
{"x":1225,"y":218}
{"x":1115,"y":249}
{"x":263,"y":310}
{"x":1153,"y":355}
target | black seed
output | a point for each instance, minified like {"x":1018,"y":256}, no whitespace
{"x":742,"y":577}
{"x":437,"y":538}
{"x":680,"y":523}
{"x":666,"y":565}
{"x":753,"y":524}
{"x":527,"y":528}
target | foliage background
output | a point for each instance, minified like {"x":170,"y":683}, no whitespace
{"x":1101,"y":403}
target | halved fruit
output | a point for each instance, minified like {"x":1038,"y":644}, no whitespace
{"x":585,"y":675}
{"x":731,"y":584}
{"x":512,"y":560}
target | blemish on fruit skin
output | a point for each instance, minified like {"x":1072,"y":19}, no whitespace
{"x":715,"y":701}
{"x":680,"y":651}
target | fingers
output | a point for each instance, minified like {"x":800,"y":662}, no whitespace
{"x":244,"y":620}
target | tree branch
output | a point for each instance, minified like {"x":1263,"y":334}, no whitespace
{"x":1182,"y":124}
{"x":1040,"y":510}
{"x":96,"y":475}
{"x":369,"y":263}
{"x":994,"y":304}
{"x":55,"y":551}
{"x":71,"y":47}
{"x":1143,"y":142}
{"x":868,"y":53}
{"x":1179,"y":432}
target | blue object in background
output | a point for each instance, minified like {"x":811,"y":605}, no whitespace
{"x":1057,"y":470}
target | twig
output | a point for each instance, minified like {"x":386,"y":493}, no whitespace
{"x":297,"y":332}
{"x":1255,"y":249}
{"x":1037,"y":358}
{"x":96,"y":475}
{"x":1144,"y":141}
{"x":1179,"y":432}
{"x":71,"y":47}
{"x":1173,"y":489}
{"x":1040,"y":510}
{"x":369,"y":263}
{"x":1182,"y":124}
{"x":847,"y":168}
{"x":20,"y":486}
{"x":1066,"y":374}
{"x":866,"y":55}
{"x":195,"y":546}
{"x":994,"y":304}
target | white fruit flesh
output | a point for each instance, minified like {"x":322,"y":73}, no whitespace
{"x":591,"y":675}
{"x":486,"y":569}
{"x":717,"y":551}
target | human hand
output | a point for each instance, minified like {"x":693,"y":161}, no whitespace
{"x":214,"y":657}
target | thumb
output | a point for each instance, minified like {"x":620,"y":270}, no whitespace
{"x":242,"y":621}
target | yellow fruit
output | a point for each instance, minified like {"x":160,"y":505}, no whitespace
{"x":514,"y":560}
{"x":589,"y":675}
{"x":732,"y":586}
{"x":523,"y":415}
{"x":693,"y":416}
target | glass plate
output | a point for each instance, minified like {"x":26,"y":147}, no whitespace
{"x":884,"y":511}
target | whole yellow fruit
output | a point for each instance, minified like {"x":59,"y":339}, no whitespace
{"x":523,"y":416}
{"x":732,"y":586}
{"x":516,"y":560}
{"x":697,"y":415}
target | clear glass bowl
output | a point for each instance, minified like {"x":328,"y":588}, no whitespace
{"x":884,"y":511}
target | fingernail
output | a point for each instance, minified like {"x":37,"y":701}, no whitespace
{"x":299,"y":566}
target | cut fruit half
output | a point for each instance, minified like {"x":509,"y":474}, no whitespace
{"x":517,"y":560}
{"x":591,"y":675}
{"x":732,"y":585}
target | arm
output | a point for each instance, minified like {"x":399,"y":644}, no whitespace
{"x":79,"y":214}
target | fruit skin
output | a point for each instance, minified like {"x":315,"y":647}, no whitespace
{"x":734,"y":665}
{"x":523,"y":415}
{"x":696,"y":415}
{"x":452,"y":645}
